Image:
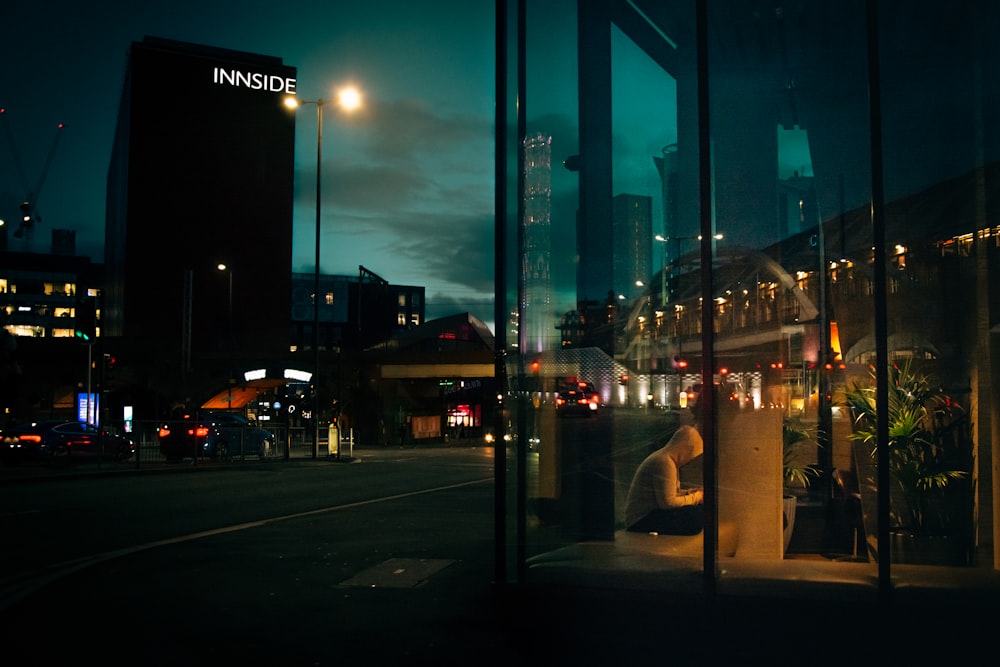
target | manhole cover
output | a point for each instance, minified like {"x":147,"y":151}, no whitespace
{"x":398,"y":573}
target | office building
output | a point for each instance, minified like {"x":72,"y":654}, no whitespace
{"x":632,"y":224}
{"x":201,"y":176}
{"x":354,"y":311}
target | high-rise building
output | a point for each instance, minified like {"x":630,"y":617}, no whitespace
{"x":632,"y":220}
{"x":537,"y":319}
{"x":201,"y":175}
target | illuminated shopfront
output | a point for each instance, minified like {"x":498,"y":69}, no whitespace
{"x":823,"y":246}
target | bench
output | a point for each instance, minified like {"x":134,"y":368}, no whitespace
{"x":681,"y":545}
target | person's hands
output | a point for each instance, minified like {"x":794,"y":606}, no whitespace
{"x":698,"y":495}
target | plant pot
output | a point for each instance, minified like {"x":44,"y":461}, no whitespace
{"x":917,"y":549}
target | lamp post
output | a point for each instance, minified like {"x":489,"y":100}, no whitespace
{"x":221,"y":266}
{"x":677,"y":255}
{"x":679,"y":362}
{"x":226,"y":268}
{"x":348,"y":98}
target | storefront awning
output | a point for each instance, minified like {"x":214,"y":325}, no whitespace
{"x":241,"y":394}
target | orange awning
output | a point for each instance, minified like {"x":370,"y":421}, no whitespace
{"x":241,"y":394}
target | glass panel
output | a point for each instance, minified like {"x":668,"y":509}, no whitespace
{"x":588,"y":400}
{"x":546,"y":279}
{"x":810,"y":287}
{"x":791,"y":188}
{"x":940,"y":244}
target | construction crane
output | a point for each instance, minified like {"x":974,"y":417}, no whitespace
{"x":29,"y":205}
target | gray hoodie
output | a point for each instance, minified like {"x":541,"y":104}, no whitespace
{"x":657,"y":483}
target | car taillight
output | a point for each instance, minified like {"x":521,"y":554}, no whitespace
{"x":201,"y":431}
{"x":30,"y":437}
{"x":164,"y":431}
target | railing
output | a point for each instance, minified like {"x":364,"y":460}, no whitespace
{"x":289,"y":442}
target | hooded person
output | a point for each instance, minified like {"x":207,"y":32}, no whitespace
{"x":656,"y":502}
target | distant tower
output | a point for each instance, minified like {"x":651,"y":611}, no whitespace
{"x":666,"y":165}
{"x":669,"y":246}
{"x":632,"y":219}
{"x":537,"y":326}
{"x":796,"y":205}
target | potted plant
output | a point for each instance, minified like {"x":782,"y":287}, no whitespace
{"x":798,"y":446}
{"x":930,"y":451}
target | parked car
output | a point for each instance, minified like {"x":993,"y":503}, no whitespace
{"x":577,"y":398}
{"x":215,"y":435}
{"x":60,"y":440}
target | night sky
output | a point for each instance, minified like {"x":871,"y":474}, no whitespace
{"x":407,"y":183}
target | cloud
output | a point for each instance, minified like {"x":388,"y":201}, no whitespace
{"x":442,"y":305}
{"x":409,"y":128}
{"x":409,"y":194}
{"x":401,"y":155}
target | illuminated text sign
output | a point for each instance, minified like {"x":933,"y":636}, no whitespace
{"x":253,"y":80}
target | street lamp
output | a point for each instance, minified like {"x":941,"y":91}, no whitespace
{"x":677,"y":255}
{"x":679,"y":362}
{"x":349,"y":99}
{"x":229,"y":381}
{"x":226,"y":268}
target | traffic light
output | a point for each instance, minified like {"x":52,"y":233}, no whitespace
{"x":534,"y":382}
{"x":85,"y":327}
{"x":110,"y":363}
{"x":623,"y":380}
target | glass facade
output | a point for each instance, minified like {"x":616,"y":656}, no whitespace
{"x":776,"y":223}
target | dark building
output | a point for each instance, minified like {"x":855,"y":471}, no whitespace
{"x":201,"y":175}
{"x":42,"y":364}
{"x":632,"y":219}
{"x":433,"y":381}
{"x":354,"y":311}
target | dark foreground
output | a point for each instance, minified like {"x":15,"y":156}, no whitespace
{"x":407,"y":580}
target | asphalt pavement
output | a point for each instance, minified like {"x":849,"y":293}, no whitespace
{"x":427,"y":595}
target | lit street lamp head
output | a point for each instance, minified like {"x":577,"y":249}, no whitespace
{"x":349,"y":98}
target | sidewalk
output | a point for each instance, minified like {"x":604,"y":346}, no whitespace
{"x":150,"y":461}
{"x":33,"y":471}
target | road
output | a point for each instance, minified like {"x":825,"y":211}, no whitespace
{"x":284,"y":563}
{"x":386,"y":560}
